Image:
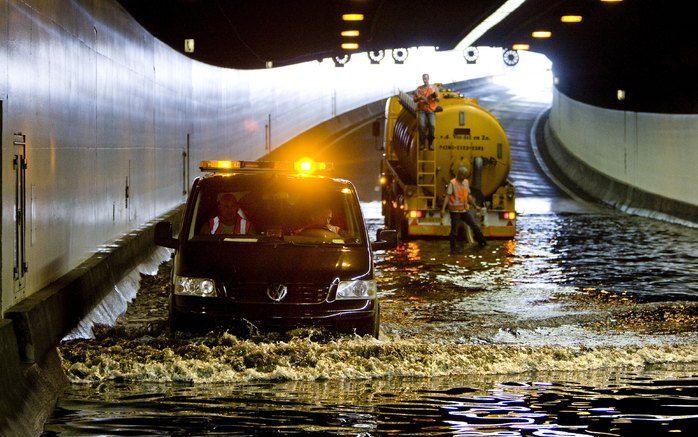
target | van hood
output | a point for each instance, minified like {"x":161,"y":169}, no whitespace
{"x":244,"y":263}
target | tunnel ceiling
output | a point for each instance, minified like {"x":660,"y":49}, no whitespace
{"x":246,"y":34}
{"x":645,"y":47}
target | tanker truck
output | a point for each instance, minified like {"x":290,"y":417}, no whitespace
{"x":414,"y":181}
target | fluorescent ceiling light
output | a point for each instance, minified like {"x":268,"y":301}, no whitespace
{"x":507,"y":8}
{"x":353,"y":17}
{"x":542,"y":34}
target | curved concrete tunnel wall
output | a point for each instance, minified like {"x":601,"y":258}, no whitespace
{"x":103,"y":102}
{"x":653,"y":155}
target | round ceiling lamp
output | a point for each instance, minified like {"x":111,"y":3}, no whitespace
{"x":510,"y":57}
{"x":376,"y":56}
{"x":341,"y":61}
{"x":399,"y":55}
{"x":471,"y":54}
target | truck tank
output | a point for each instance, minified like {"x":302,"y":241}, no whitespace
{"x":465,"y":134}
{"x":464,"y":131}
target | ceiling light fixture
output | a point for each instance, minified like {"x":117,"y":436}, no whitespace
{"x":376,"y":56}
{"x":521,"y":47}
{"x":507,"y":8}
{"x":399,"y":55}
{"x":510,"y":57}
{"x":341,"y":61}
{"x":353,"y":17}
{"x":542,"y":34}
{"x":350,"y":33}
{"x":571,"y":18}
{"x":350,"y":46}
{"x":471,"y":54}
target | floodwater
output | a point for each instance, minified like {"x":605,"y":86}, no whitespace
{"x":585,"y":324}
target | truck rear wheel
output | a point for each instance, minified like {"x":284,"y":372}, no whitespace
{"x":401,"y":226}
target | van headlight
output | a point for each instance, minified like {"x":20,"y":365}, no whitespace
{"x":356,"y":290}
{"x":194,"y":286}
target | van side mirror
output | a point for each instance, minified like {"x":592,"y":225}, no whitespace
{"x":385,"y":239}
{"x":163,"y":235}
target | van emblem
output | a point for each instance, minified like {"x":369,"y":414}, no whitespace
{"x":277,"y":292}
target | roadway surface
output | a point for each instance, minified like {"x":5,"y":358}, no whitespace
{"x":585,"y":323}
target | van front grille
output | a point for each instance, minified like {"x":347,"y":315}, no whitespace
{"x":257,"y":293}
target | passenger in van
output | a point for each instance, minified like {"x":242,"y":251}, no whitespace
{"x":320,"y":218}
{"x":231,"y":219}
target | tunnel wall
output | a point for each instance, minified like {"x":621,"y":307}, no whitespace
{"x":108,"y":110}
{"x":634,"y":160}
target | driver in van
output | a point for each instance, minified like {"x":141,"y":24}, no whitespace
{"x":231,"y":219}
{"x":320,"y":218}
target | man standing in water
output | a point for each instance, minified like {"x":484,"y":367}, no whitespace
{"x":426,"y":97}
{"x":458,"y":199}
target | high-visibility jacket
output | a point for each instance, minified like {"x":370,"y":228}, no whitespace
{"x":458,"y":199}
{"x":242,"y":225}
{"x":428,"y":105}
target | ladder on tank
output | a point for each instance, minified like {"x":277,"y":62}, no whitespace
{"x":426,"y":180}
{"x":426,"y":165}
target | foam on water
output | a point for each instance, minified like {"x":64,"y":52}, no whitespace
{"x":228,"y":359}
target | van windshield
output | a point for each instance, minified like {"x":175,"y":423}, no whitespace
{"x":273,"y":208}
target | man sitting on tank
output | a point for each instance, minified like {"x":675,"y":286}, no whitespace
{"x":426,"y":97}
{"x":231,"y":219}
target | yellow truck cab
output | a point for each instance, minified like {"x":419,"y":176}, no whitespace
{"x":276,"y":245}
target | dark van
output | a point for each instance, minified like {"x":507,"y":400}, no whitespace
{"x":274,"y":247}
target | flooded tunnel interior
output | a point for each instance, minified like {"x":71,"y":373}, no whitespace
{"x":585,"y":322}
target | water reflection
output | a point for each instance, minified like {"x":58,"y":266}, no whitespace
{"x":608,"y":403}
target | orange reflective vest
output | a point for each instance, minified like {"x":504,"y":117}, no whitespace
{"x":458,"y":199}
{"x":428,"y":105}
{"x":242,"y":225}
